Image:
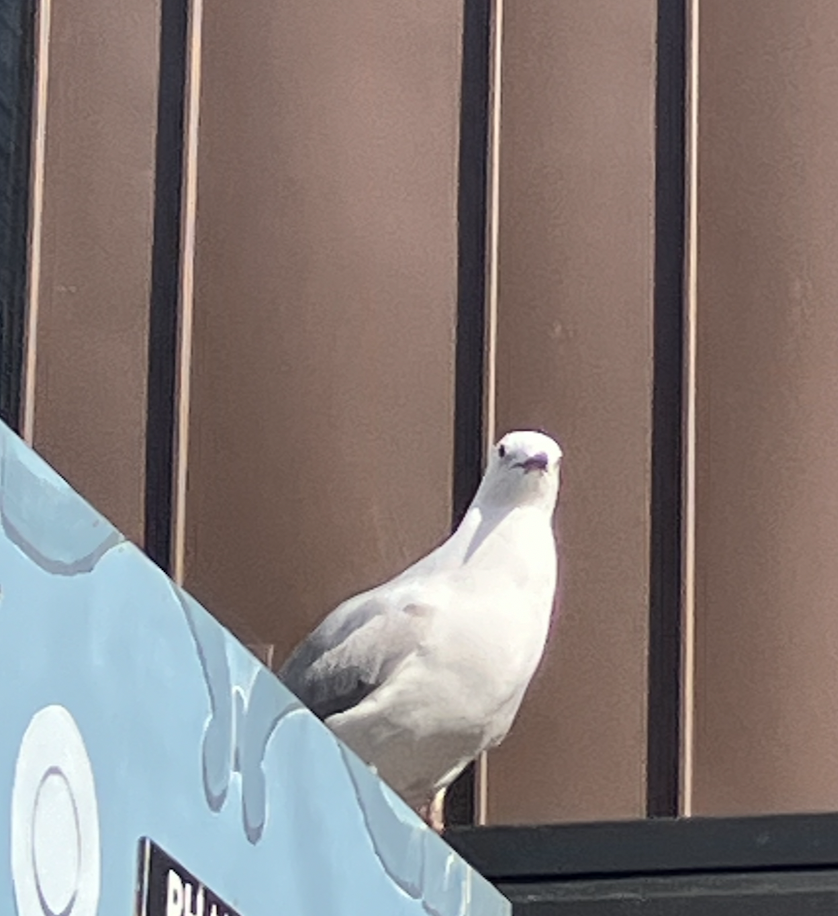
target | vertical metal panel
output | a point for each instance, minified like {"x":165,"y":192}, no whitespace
{"x":575,"y":356}
{"x":321,"y":450}
{"x":89,"y":387}
{"x":767,"y":426}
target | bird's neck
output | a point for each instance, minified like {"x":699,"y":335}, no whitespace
{"x":494,"y":497}
{"x":467,"y":544}
{"x":490,"y":535}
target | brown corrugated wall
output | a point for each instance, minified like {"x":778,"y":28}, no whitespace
{"x":319,"y":442}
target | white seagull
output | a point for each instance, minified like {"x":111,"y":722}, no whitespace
{"x":425,"y":672}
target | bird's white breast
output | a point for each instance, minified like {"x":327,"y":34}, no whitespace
{"x":487,"y":606}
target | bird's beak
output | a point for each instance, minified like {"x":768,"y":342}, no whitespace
{"x":539,"y":462}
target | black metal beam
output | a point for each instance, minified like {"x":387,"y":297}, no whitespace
{"x":165,"y":276}
{"x":649,"y":847}
{"x":797,"y":893}
{"x":664,"y":696}
{"x":17,"y":80}
{"x":471,"y":297}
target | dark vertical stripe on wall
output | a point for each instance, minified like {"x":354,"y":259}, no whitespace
{"x":471,"y":297}
{"x":17,"y":78}
{"x":165,"y":272}
{"x":667,"y":411}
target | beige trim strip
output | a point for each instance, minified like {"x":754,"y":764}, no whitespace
{"x":187,"y":291}
{"x":36,"y":221}
{"x":691,"y":280}
{"x":493,"y":229}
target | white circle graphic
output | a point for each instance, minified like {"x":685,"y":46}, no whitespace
{"x":55,"y":820}
{"x":55,"y":815}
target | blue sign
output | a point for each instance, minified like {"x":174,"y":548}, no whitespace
{"x":147,"y":756}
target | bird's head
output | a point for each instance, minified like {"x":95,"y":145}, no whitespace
{"x":523,"y":469}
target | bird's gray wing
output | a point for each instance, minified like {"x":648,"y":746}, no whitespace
{"x":351,"y":653}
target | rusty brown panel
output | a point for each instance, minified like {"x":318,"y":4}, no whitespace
{"x":575,"y":357}
{"x":767,"y":429}
{"x":91,"y":343}
{"x":320,"y":452}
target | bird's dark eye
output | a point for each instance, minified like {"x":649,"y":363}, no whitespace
{"x":501,"y":451}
